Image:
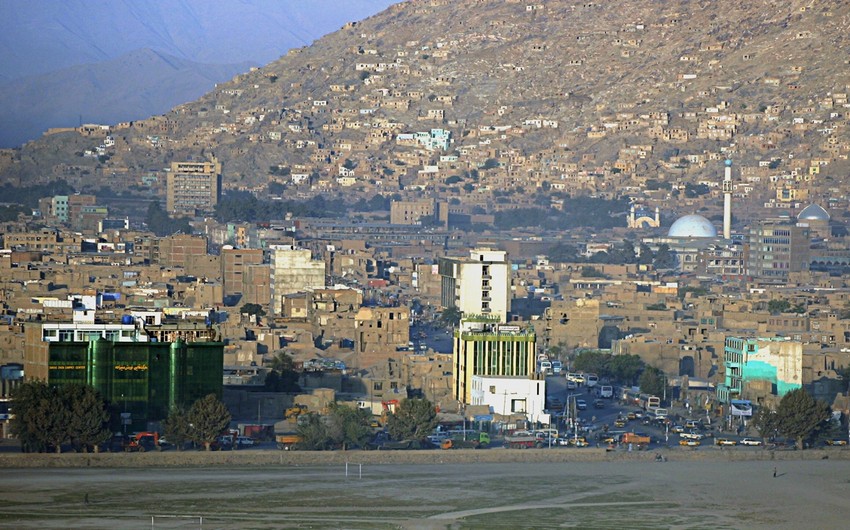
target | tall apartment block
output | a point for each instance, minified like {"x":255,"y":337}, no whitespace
{"x":777,"y":248}
{"x":234,"y":267}
{"x":193,"y":187}
{"x":477,"y":285}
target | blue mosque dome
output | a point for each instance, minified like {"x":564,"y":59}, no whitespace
{"x":692,"y":226}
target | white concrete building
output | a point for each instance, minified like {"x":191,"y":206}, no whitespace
{"x":511,"y":395}
{"x":293,"y":270}
{"x":479,"y":284}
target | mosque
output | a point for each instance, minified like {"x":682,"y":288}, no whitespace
{"x":700,"y":249}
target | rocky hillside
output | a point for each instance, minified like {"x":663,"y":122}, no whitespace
{"x":487,"y":101}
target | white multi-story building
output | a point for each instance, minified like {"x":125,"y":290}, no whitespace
{"x":508,"y":396}
{"x":479,"y":284}
{"x":293,"y":270}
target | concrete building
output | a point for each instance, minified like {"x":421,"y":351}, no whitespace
{"x":508,"y":396}
{"x":757,"y":368}
{"x":293,"y":269}
{"x":234,"y":265}
{"x":485,"y":347}
{"x":477,"y":285}
{"x":178,"y":250}
{"x":777,"y":248}
{"x":193,"y":187}
{"x":411,"y":212}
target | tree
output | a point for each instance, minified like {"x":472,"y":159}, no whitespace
{"x":450,"y":316}
{"x":282,"y":377}
{"x":176,"y":427}
{"x":625,"y":368}
{"x":653,"y":382}
{"x":592,"y":361}
{"x":349,"y":426}
{"x":313,"y":432}
{"x":766,"y":422}
{"x":801,"y":416}
{"x":664,"y":258}
{"x":88,"y":419}
{"x":25,"y":403}
{"x":208,"y":418}
{"x":778,"y":306}
{"x":252,"y":309}
{"x":161,"y":224}
{"x":413,"y":420}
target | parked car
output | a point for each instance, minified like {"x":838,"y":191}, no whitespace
{"x":836,"y":442}
{"x":751,"y":442}
{"x":244,"y":441}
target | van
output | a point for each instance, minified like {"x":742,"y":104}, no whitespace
{"x":545,"y":367}
{"x":591,"y":380}
{"x":660,"y":413}
{"x":556,"y":367}
{"x":606,"y":391}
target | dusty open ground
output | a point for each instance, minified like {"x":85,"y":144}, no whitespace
{"x":591,"y":490}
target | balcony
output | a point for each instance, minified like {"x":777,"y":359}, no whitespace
{"x":486,"y":276}
{"x":486,"y":287}
{"x":486,"y":299}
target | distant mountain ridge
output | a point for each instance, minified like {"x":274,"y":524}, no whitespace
{"x":133,"y":86}
{"x":40,"y":41}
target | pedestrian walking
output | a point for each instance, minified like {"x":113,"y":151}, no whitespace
{"x":774,"y":472}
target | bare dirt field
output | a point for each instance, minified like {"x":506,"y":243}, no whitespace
{"x":436,"y":490}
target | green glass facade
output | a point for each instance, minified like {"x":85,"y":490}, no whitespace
{"x":145,"y":379}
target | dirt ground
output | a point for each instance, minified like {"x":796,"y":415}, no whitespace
{"x":690,"y":490}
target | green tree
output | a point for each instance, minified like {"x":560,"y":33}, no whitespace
{"x":450,"y":316}
{"x":208,"y":418}
{"x":88,"y":418}
{"x":176,"y":427}
{"x":314,"y":433}
{"x":161,"y":224}
{"x":349,"y":426}
{"x":592,"y":361}
{"x":646,"y":255}
{"x":252,"y":309}
{"x":413,"y":420}
{"x":592,"y":272}
{"x":653,"y":382}
{"x":766,"y":421}
{"x":25,"y":403}
{"x":801,"y":416}
{"x":626,"y":368}
{"x":50,"y":418}
{"x":282,"y":377}
{"x":665,"y":258}
{"x":778,"y":306}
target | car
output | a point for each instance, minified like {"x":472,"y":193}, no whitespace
{"x":677,"y":429}
{"x":689,"y":443}
{"x":599,"y":403}
{"x":244,"y":441}
{"x":631,"y":416}
{"x":751,"y":442}
{"x":725,"y":442}
{"x":572,"y":385}
{"x":691,"y":435}
{"x":581,"y":404}
{"x":836,"y":442}
{"x":619,"y":422}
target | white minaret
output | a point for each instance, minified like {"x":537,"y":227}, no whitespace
{"x":727,"y":201}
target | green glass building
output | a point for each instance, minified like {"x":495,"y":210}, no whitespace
{"x":142,"y":380}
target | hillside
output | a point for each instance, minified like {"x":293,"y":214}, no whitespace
{"x":636,"y":98}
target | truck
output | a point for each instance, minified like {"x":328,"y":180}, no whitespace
{"x":404,"y":445}
{"x":523,"y":441}
{"x":474,"y":441}
{"x":287,"y":441}
{"x":637,"y":439}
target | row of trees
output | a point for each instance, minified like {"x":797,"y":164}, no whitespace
{"x":628,"y":369}
{"x":47,"y":417}
{"x":623,"y":253}
{"x":800,"y":417}
{"x":345,"y":427}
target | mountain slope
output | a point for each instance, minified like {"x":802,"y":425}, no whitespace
{"x":593,"y":98}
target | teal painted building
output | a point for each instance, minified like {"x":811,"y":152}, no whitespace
{"x":759,"y":366}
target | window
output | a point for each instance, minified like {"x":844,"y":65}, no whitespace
{"x":518,"y":405}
